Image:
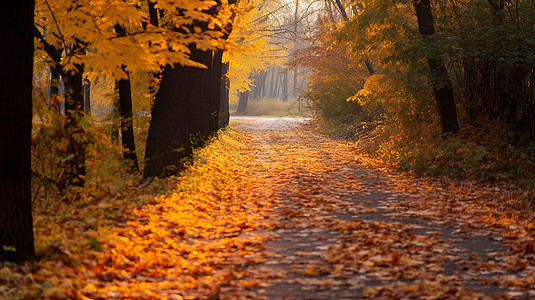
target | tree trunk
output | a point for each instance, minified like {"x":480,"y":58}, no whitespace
{"x":74,"y":110}
{"x":342,"y":10}
{"x":259,"y":81}
{"x":273,"y":87}
{"x":168,"y":142}
{"x":16,"y":61}
{"x":153,"y":14}
{"x":217,"y":88}
{"x":242,"y":102}
{"x":201,"y":96}
{"x":285,"y":87}
{"x":224,"y":112}
{"x":87,"y":96}
{"x":116,"y":116}
{"x":440,"y":79}
{"x":127,"y":116}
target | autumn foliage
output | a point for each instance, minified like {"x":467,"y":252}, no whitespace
{"x":393,"y":113}
{"x":140,"y":188}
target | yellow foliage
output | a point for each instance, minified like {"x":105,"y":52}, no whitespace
{"x":248,"y":50}
{"x":89,"y":25}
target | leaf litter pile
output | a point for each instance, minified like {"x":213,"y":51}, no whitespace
{"x":272,"y":210}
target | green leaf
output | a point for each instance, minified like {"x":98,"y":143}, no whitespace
{"x":94,"y":243}
{"x":84,"y":122}
{"x":9,"y":248}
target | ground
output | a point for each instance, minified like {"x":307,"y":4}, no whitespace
{"x":273,"y":210}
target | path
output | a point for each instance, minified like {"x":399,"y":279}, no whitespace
{"x":348,"y":230}
{"x":273,"y":210}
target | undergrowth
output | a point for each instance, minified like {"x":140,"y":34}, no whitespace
{"x":486,"y":154}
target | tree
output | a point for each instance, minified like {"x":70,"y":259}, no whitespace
{"x":74,"y":110}
{"x":16,"y":59}
{"x":442,"y":88}
{"x":206,"y":105}
{"x":224,"y":113}
{"x":187,"y":106}
{"x":368,"y":64}
{"x":242,"y":102}
{"x":127,"y":116}
{"x":168,"y":142}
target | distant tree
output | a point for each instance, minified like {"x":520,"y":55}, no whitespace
{"x":243,"y":98}
{"x":16,"y":60}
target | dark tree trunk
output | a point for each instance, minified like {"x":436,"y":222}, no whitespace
{"x":369,"y":66}
{"x":153,"y":19}
{"x":242,"y":102}
{"x":217,"y":88}
{"x":342,"y":10}
{"x":224,"y":112}
{"x":87,"y":96}
{"x":16,"y":61}
{"x":440,"y":79}
{"x":153,"y":14}
{"x":201,"y":95}
{"x":116,"y":116}
{"x":74,"y":110}
{"x":168,"y":143}
{"x":127,"y":116}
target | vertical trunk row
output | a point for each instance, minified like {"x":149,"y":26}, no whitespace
{"x":440,"y":79}
{"x":190,"y":106}
{"x":16,"y":62}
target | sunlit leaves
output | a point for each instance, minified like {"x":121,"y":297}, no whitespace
{"x":90,"y":26}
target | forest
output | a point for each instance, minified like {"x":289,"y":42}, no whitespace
{"x":252,"y":149}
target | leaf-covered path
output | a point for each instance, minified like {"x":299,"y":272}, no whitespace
{"x":273,"y":210}
{"x":346,"y":229}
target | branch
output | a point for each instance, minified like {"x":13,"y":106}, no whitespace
{"x":49,"y":49}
